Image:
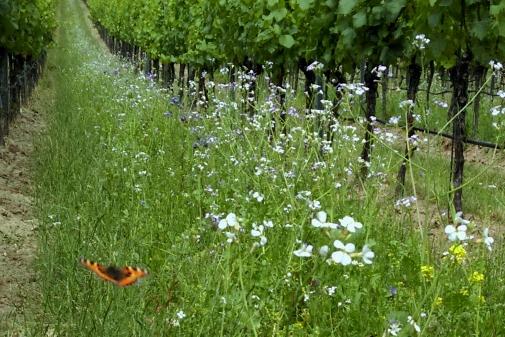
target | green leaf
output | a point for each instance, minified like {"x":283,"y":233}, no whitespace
{"x":345,"y":6}
{"x":497,"y":9}
{"x":359,"y":19}
{"x":279,"y":14}
{"x":277,"y":29}
{"x":480,"y":29}
{"x":348,"y":36}
{"x":434,"y":19}
{"x":286,"y":40}
{"x":330,"y":3}
{"x":305,"y":4}
{"x":394,"y":7}
{"x":501,"y":30}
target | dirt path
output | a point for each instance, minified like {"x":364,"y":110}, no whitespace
{"x":18,"y":226}
{"x":17,"y":222}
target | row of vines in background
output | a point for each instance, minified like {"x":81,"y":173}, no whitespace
{"x":458,"y":37}
{"x":26,"y":28}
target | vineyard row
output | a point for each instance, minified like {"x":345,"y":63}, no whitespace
{"x":26,"y":28}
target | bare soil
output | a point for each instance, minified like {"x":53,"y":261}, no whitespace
{"x":17,"y":223}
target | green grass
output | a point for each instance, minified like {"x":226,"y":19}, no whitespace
{"x":119,"y":182}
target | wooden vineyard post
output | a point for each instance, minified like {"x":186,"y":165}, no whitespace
{"x":479,"y":75}
{"x":413,"y":80}
{"x":4,"y":93}
{"x":15,"y":87}
{"x":370,"y":78}
{"x":459,"y":78}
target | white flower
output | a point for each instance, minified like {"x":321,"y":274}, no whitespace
{"x":320,"y":221}
{"x":304,"y":251}
{"x":314,"y":204}
{"x":495,"y":66}
{"x":488,"y":241}
{"x":407,"y":104}
{"x":414,"y":140}
{"x":454,"y":233}
{"x":379,"y":71}
{"x":421,"y":41}
{"x":230,"y":237}
{"x":229,"y":221}
{"x":180,"y":314}
{"x":342,"y":255}
{"x":367,"y":255}
{"x":441,"y":104}
{"x":257,"y":195}
{"x":331,"y":290}
{"x":323,"y":251}
{"x":350,"y":224}
{"x":394,"y":120}
{"x":405,"y":202}
{"x":497,"y":110}
{"x":268,"y":223}
{"x":353,"y":88}
{"x":315,"y":66}
{"x":411,"y":321}
{"x":458,"y":219}
{"x":257,"y":230}
{"x":394,"y":328}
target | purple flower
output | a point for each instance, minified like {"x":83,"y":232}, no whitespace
{"x":175,"y":100}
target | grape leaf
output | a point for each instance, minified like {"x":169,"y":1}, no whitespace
{"x":286,"y":40}
{"x":305,"y":4}
{"x":345,"y":6}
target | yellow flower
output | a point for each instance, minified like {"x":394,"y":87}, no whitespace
{"x":427,"y":271}
{"x":297,"y":326}
{"x":464,"y":291}
{"x":476,"y":277}
{"x":459,"y":252}
{"x":438,"y":301}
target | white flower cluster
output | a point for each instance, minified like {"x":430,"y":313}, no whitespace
{"x":497,"y":111}
{"x":421,"y":41}
{"x":458,"y":232}
{"x":315,"y":66}
{"x":230,"y":222}
{"x":406,"y":202}
{"x":407,"y":104}
{"x":344,"y":252}
{"x":353,"y":88}
{"x":379,"y":70}
{"x":496,"y":66}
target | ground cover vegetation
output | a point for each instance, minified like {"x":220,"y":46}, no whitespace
{"x":260,"y":206}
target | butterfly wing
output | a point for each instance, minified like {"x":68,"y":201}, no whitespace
{"x":121,"y":277}
{"x":131,"y":275}
{"x":110,"y":274}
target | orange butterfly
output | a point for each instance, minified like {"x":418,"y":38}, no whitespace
{"x":121,"y":277}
